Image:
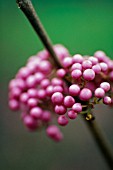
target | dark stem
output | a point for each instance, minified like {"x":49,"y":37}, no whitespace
{"x":27,"y":8}
{"x":101,"y":141}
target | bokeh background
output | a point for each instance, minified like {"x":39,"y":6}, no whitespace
{"x":83,"y":27}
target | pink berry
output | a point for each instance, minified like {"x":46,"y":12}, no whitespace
{"x":49,"y":90}
{"x":77,"y":58}
{"x":31,"y":81}
{"x":69,"y":101}
{"x":105,"y":86}
{"x":76,"y":74}
{"x":77,"y":66}
{"x":32,"y":102}
{"x":46,"y":116}
{"x":96,"y":68}
{"x":62,"y":120}
{"x":60,"y":109}
{"x":89,"y":74}
{"x":85,"y":94}
{"x":107,"y":100}
{"x":72,"y":114}
{"x":67,"y":62}
{"x":77,"y":107}
{"x":41,"y":94}
{"x":74,"y":90}
{"x":39,"y":77}
{"x":45,"y":67}
{"x":32,"y":93}
{"x":93,"y":60}
{"x":13,"y":104}
{"x":24,"y":97}
{"x":87,"y":64}
{"x":58,"y":89}
{"x":57,"y":98}
{"x":45,"y":83}
{"x":61,"y":73}
{"x":100,"y":55}
{"x":54,"y":133}
{"x":99,"y":92}
{"x":103,"y":66}
{"x":56,"y":82}
{"x":30,"y":123}
{"x":36,"y":112}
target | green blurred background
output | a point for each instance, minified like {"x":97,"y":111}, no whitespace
{"x":83,"y":27}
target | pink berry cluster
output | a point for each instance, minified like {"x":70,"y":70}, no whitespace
{"x":44,"y":93}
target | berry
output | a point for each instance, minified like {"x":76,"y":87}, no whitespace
{"x":74,"y":90}
{"x":85,"y":94}
{"x":76,"y":74}
{"x":62,"y":120}
{"x":107,"y":100}
{"x":60,"y":109}
{"x":105,"y":86}
{"x":89,"y":74}
{"x":72,"y":114}
{"x":69,"y":101}
{"x":57,"y":98}
{"x":77,"y":107}
{"x":99,"y":92}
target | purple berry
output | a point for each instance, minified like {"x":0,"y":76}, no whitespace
{"x":32,"y":93}
{"x":57,"y":98}
{"x":69,"y":101}
{"x":77,"y":58}
{"x":74,"y":90}
{"x":58,"y":89}
{"x":46,"y":116}
{"x":45,"y":83}
{"x":77,"y":66}
{"x":99,"y":92}
{"x":60,"y":109}
{"x":72,"y":114}
{"x":77,"y":107}
{"x":67,"y":62}
{"x":41,"y":94}
{"x":13,"y":104}
{"x":30,"y":123}
{"x":76,"y":74}
{"x":24,"y":98}
{"x":107,"y":100}
{"x":96,"y":68}
{"x":103,"y":66}
{"x":62,"y":120}
{"x":87,"y":64}
{"x":105,"y":86}
{"x":61,"y":73}
{"x":89,"y":74}
{"x":54,"y":133}
{"x":93,"y":60}
{"x":85,"y":94}
{"x":36,"y":112}
{"x":32,"y":102}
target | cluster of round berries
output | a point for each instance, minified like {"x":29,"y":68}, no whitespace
{"x":44,"y":93}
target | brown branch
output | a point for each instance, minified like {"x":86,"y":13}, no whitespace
{"x":28,"y":9}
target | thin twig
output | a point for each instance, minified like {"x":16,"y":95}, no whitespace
{"x":28,"y":9}
{"x":101,"y":141}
